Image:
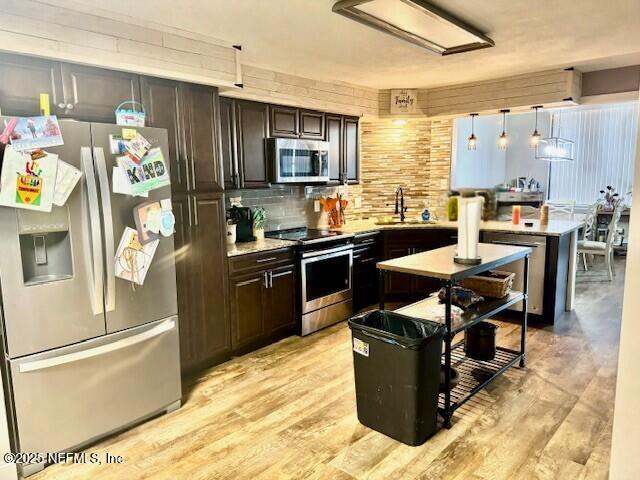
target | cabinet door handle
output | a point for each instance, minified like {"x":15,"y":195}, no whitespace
{"x":270,"y":278}
{"x":263,"y":260}
{"x":195,"y":211}
{"x":265,"y":279}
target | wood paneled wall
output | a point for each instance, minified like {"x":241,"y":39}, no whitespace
{"x":553,"y":87}
{"x":71,"y":32}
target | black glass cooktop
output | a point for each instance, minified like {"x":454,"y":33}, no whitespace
{"x":303,"y":234}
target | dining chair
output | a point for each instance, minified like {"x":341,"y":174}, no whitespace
{"x":603,"y":249}
{"x":589,"y":230}
{"x":562,"y":208}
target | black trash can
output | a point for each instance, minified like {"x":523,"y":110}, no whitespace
{"x":396,"y":361}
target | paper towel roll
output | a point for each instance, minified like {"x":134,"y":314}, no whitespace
{"x":469,"y":215}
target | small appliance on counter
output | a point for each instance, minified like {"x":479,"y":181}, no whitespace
{"x":243,"y":217}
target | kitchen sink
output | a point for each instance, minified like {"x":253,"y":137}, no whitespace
{"x":398,"y":222}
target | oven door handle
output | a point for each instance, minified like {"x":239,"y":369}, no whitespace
{"x":328,"y":251}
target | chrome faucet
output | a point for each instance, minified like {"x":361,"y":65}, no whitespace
{"x":403,"y":209}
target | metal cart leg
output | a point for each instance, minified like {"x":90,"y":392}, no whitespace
{"x":381,"y":274}
{"x":523,"y":328}
{"x":447,"y":358}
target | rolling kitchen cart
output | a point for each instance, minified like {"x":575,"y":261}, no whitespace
{"x":439,"y":264}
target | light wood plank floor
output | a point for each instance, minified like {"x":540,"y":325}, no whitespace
{"x":288,"y":412}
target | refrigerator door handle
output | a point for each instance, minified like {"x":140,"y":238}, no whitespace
{"x":96,"y":351}
{"x":107,"y":222}
{"x":97,"y":273}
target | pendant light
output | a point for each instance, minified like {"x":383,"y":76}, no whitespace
{"x":473,"y":141}
{"x":555,"y":148}
{"x":503,"y":139}
{"x":534,"y":140}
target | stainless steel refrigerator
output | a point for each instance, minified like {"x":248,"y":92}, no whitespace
{"x":86,"y":353}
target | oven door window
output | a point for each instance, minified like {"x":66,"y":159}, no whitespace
{"x":327,"y":276}
{"x":297,"y":163}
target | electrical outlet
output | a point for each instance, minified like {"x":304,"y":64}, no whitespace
{"x":358,"y":202}
{"x":316,"y":206}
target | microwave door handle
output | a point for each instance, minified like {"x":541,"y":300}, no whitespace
{"x":95,"y":238}
{"x":107,"y":223}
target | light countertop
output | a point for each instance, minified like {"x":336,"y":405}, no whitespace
{"x":262,"y":245}
{"x":439,"y":263}
{"x":553,"y":228}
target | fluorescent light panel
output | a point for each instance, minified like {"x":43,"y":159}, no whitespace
{"x":416,"y":21}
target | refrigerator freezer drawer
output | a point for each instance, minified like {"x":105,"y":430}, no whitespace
{"x":73,"y":395}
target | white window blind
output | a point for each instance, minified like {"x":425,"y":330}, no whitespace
{"x":604,"y":150}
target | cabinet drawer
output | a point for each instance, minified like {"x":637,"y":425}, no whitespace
{"x":260,"y":261}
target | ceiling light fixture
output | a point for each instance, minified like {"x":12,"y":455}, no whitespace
{"x":418,"y":22}
{"x":555,"y":148}
{"x":503,"y":139}
{"x":534,"y":140}
{"x":473,"y":141}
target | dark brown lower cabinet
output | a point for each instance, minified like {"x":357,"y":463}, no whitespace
{"x":205,"y":337}
{"x":399,"y":243}
{"x":263,"y":299}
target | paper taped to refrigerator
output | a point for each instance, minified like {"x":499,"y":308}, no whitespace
{"x":67,"y":178}
{"x":133,"y":259}
{"x":26,"y":182}
{"x":120,"y":184}
{"x":36,"y":132}
{"x":150,"y":174}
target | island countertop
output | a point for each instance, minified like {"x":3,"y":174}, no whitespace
{"x":553,"y":228}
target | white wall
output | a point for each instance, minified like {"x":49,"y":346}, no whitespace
{"x":483,"y":167}
{"x":521,"y":158}
{"x":487,"y":166}
{"x":625,"y":460}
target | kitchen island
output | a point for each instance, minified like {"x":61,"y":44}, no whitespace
{"x":439,"y":264}
{"x":553,"y":261}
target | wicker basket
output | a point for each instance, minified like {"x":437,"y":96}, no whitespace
{"x":492,"y":284}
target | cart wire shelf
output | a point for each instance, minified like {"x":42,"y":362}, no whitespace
{"x":475,"y":374}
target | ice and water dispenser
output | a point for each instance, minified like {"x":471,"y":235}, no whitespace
{"x":45,"y":245}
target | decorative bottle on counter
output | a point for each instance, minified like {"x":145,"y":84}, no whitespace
{"x":452,"y":208}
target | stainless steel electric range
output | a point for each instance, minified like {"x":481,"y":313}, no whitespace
{"x":326,"y":276}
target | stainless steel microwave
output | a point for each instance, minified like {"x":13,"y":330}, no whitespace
{"x":299,"y":161}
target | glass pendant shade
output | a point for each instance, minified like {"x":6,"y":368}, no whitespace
{"x":503,"y":139}
{"x":534,"y":140}
{"x":472,"y":143}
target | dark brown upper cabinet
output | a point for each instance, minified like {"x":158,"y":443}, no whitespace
{"x":252,"y":129}
{"x":23,"y":79}
{"x":344,"y":148}
{"x":200,"y":120}
{"x":160,"y":98}
{"x":284,"y":121}
{"x":351,"y":149}
{"x":312,"y":125}
{"x":334,"y":137}
{"x":92,"y":94}
{"x":228,"y":148}
{"x":189,"y":113}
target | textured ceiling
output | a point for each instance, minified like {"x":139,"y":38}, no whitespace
{"x":304,"y":37}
